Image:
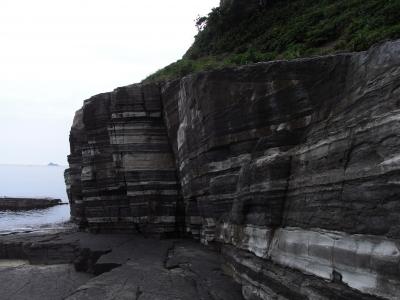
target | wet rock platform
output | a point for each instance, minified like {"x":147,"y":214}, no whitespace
{"x":77,"y":265}
{"x":47,"y":282}
{"x":12,"y":203}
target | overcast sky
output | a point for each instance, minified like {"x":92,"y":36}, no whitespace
{"x":56,"y":53}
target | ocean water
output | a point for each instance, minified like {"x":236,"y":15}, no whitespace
{"x":33,"y":181}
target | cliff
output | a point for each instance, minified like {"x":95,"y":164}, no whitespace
{"x":291,"y":167}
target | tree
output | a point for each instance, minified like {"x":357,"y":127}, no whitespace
{"x":201,"y":23}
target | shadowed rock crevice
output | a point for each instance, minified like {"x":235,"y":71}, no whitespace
{"x":87,"y":262}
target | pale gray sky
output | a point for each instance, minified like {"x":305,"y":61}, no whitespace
{"x":56,"y":53}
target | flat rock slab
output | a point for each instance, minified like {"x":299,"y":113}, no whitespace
{"x":130,"y":267}
{"x":56,"y":247}
{"x":27,"y":282}
{"x":162,"y":270}
{"x":9,"y":203}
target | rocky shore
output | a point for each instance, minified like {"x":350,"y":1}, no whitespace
{"x":68,"y":264}
{"x":272,"y":181}
{"x":12,"y":203}
{"x":72,"y":265}
{"x":291,"y":167}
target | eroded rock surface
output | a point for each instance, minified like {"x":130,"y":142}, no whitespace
{"x":183,"y":270}
{"x":122,"y":173}
{"x":124,"y":266}
{"x":27,"y":282}
{"x":292,"y":163}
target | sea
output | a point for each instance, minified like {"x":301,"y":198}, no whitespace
{"x":33,"y":181}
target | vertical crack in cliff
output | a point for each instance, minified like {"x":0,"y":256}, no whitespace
{"x":346,"y":160}
{"x":180,"y":213}
{"x":138,"y":293}
{"x":284,"y":209}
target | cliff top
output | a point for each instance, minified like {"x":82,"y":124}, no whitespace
{"x":241,"y":32}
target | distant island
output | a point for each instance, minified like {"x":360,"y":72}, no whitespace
{"x":51,"y":164}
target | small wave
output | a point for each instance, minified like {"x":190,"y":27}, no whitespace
{"x":27,"y":221}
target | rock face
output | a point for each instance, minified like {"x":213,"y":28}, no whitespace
{"x":122,"y":173}
{"x":287,"y":164}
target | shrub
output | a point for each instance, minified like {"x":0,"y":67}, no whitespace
{"x":286,"y":29}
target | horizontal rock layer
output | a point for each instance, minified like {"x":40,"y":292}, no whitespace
{"x":122,"y":173}
{"x":295,"y":163}
{"x":10,"y":203}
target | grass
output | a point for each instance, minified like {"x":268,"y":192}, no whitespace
{"x":286,"y":29}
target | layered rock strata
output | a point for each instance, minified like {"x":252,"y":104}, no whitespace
{"x":122,"y":173}
{"x":293,"y":163}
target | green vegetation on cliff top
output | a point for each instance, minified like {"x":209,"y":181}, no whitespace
{"x":247,"y":32}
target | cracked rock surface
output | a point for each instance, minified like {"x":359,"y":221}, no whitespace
{"x":27,"y":282}
{"x":128,"y":267}
{"x":166,"y":270}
